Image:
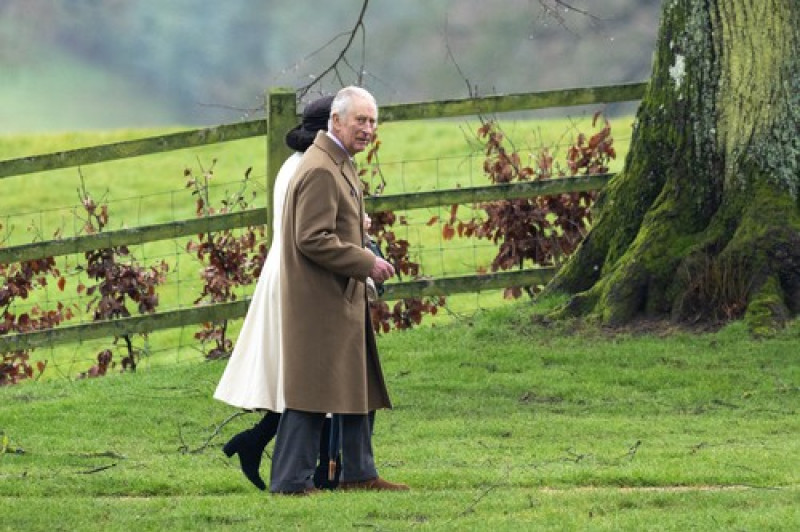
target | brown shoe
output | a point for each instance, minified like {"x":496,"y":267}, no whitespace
{"x":373,"y":484}
{"x":302,"y":493}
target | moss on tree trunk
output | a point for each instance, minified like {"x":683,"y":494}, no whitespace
{"x":704,"y":222}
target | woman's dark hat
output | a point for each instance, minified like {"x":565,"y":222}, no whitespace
{"x":315,"y":118}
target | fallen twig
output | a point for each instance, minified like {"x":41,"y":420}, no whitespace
{"x":184,"y":448}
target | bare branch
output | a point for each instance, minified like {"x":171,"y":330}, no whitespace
{"x":184,"y":448}
{"x":97,"y":469}
{"x":359,"y":25}
{"x":244,"y":111}
{"x":451,"y":57}
{"x":569,"y":7}
{"x":553,"y":8}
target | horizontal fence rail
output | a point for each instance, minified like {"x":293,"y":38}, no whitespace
{"x":227,"y":311}
{"x":132,"y":148}
{"x":133,"y":236}
{"x":512,"y":102}
{"x":443,"y":286}
{"x":506,"y":191}
{"x":122,"y":326}
{"x":258,"y":216}
{"x":281,"y":114}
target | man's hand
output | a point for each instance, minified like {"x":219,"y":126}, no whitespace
{"x":381,"y":270}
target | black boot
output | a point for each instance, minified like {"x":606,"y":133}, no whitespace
{"x":249,"y":445}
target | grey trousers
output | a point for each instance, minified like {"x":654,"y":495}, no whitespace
{"x":294,"y":458}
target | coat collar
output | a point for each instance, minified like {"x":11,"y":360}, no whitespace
{"x":339,"y":157}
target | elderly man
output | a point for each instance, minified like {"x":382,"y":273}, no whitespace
{"x":329,"y":352}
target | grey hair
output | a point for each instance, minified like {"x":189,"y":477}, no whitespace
{"x":344,"y":98}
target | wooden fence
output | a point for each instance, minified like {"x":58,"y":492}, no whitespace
{"x":281,"y":115}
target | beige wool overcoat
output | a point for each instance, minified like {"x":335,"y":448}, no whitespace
{"x":329,"y":354}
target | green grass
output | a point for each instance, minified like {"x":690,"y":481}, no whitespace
{"x":500,"y":423}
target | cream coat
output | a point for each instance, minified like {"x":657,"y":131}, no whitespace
{"x":253,"y":377}
{"x":330,"y":362}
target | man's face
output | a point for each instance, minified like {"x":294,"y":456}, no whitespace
{"x":356,"y":128}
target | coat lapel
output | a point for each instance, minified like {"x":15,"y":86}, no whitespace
{"x":346,"y":168}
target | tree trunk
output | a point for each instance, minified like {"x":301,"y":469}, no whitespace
{"x":704,"y":221}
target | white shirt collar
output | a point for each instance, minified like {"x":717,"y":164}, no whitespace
{"x":339,"y":143}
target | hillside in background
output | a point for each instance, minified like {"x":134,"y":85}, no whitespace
{"x":88,"y":64}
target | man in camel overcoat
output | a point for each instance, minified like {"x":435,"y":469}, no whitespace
{"x":329,"y":353}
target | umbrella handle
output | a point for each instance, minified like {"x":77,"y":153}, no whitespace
{"x":331,"y":470}
{"x":334,"y":446}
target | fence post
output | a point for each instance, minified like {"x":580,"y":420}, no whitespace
{"x":281,"y":117}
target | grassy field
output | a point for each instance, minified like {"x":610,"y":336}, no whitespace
{"x":501,"y":422}
{"x":151,"y":189}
